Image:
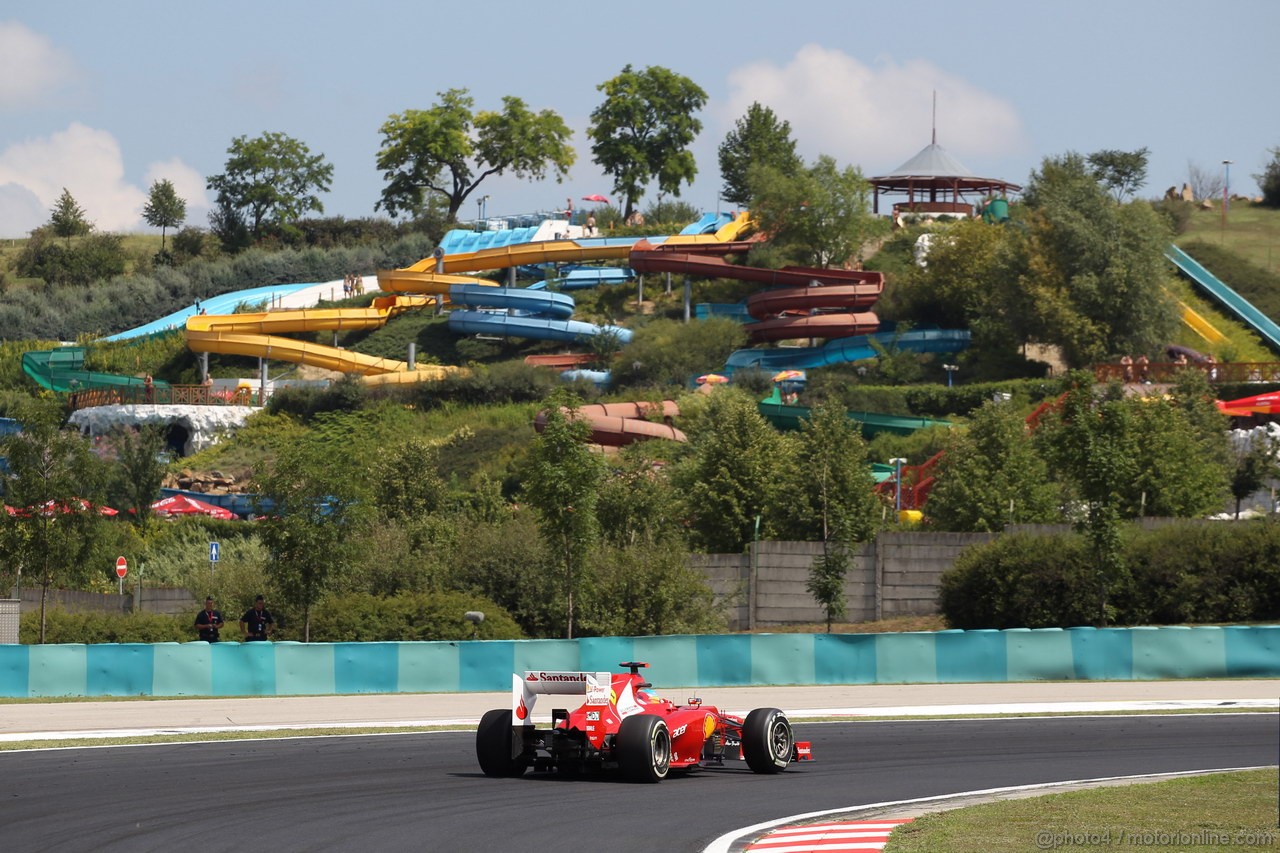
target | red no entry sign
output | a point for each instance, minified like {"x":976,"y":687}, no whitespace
{"x":122,"y":567}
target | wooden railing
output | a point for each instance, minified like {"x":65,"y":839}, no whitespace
{"x":1165,"y":371}
{"x":169,"y":395}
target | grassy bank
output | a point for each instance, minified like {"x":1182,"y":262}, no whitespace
{"x":1210,"y":812}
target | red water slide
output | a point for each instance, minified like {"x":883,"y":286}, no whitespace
{"x":808,"y":302}
{"x":619,"y":424}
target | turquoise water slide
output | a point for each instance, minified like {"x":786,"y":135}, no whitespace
{"x":1225,"y":296}
{"x":784,"y":416}
{"x":843,"y":350}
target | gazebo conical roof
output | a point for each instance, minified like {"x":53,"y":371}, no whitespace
{"x":933,"y":175}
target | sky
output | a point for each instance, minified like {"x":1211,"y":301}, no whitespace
{"x":106,"y":98}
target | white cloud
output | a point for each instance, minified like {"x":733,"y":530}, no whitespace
{"x":19,"y":208}
{"x":874,"y":116}
{"x":89,"y":164}
{"x":30,"y":66}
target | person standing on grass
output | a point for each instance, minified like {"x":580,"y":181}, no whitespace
{"x":256,"y":624}
{"x":209,"y":622}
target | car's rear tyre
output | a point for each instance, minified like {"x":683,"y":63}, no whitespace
{"x":767,"y":740}
{"x":494,"y":742}
{"x":644,"y":748}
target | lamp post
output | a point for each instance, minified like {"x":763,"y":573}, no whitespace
{"x":950,"y":368}
{"x":897,"y":462}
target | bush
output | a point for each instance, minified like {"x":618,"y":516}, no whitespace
{"x":1206,"y":572}
{"x":117,"y":302}
{"x":1196,"y":572}
{"x":1021,"y":581}
{"x":364,"y":618}
{"x":1176,"y":212}
{"x":64,"y":627}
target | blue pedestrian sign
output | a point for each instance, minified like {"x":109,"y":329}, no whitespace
{"x":214,"y":548}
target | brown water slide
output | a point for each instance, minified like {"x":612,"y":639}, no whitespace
{"x":620,"y":424}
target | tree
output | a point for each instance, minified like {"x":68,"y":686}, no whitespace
{"x":730,"y":478}
{"x":1254,"y":466}
{"x":313,"y":527}
{"x":141,"y":471}
{"x":164,"y":209}
{"x":819,"y":217}
{"x":448,"y":151}
{"x":828,"y":495}
{"x":1269,"y":179}
{"x":55,"y":483}
{"x":642,"y":131}
{"x":993,"y":476}
{"x":1095,"y":270}
{"x":1205,"y":183}
{"x":1092,"y":447}
{"x":1121,"y":172}
{"x":561,"y":484}
{"x":67,"y":218}
{"x":273,"y":179}
{"x":758,"y":138}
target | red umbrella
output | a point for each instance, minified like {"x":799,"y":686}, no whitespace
{"x":183,"y":505}
{"x":596,"y":197}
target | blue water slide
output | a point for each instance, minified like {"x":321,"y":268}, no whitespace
{"x":462,"y":240}
{"x":1225,"y":296}
{"x":583,"y":277}
{"x":543,"y":302}
{"x":844,"y":350}
{"x":223,"y":303}
{"x":537,"y":328}
{"x":708,"y":224}
{"x":731,"y":310}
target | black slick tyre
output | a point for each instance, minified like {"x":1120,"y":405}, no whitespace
{"x":644,"y":748}
{"x":494,"y":740}
{"x":767,"y":740}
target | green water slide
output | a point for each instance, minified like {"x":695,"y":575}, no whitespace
{"x":783,"y":416}
{"x":57,"y":369}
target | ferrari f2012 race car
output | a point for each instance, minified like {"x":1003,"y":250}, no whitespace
{"x":623,"y":725}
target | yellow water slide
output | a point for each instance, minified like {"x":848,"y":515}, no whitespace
{"x":258,"y":334}
{"x":1200,"y":325}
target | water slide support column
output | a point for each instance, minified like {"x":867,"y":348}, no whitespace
{"x":688,"y":297}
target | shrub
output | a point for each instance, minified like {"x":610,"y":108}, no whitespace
{"x":1021,"y":581}
{"x":364,"y":618}
{"x":1205,"y":572}
{"x":64,"y":627}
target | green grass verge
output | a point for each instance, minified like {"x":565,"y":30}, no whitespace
{"x":1211,"y":812}
{"x":1252,"y":231}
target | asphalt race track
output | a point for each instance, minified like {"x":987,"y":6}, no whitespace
{"x":424,"y":792}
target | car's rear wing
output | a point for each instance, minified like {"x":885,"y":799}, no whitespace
{"x":525,"y":690}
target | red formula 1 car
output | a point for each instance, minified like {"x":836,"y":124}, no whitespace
{"x":623,"y":725}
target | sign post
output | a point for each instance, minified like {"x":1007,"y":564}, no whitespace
{"x":122,"y":569}
{"x":214,"y":552}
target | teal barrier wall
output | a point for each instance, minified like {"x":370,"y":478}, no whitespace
{"x":283,"y":669}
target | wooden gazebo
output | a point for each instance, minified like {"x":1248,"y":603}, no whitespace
{"x":936,"y":183}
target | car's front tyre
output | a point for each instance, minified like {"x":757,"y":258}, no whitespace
{"x":767,"y":740}
{"x":644,"y":748}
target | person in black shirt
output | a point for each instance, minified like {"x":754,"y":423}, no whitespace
{"x":256,"y":623}
{"x":209,"y":622}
